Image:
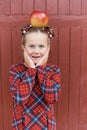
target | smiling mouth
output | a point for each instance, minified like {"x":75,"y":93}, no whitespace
{"x":35,"y":57}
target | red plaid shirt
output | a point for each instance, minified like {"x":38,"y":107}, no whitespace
{"x":34,"y":91}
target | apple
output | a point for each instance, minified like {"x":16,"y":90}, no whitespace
{"x":38,"y":19}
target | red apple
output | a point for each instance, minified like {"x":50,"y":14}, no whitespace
{"x":38,"y":19}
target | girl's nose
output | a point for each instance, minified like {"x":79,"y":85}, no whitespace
{"x":36,"y":50}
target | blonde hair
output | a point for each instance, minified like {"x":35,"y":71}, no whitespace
{"x":34,"y":30}
{"x":29,"y":29}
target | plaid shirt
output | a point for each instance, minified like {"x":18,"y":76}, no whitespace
{"x":34,"y":91}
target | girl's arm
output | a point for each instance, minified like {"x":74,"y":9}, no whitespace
{"x":49,"y":80}
{"x":21,"y":83}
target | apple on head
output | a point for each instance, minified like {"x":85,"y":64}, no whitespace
{"x":38,"y":19}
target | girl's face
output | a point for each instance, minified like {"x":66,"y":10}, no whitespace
{"x":36,"y":45}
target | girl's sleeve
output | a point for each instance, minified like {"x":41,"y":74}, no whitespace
{"x":50,"y":83}
{"x":21,"y":84}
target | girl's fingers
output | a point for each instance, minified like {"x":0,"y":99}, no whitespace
{"x":46,"y":55}
{"x":28,"y":60}
{"x":44,"y":59}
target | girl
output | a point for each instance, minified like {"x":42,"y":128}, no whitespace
{"x":34,"y":84}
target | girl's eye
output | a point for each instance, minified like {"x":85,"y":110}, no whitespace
{"x":41,"y":46}
{"x":32,"y":46}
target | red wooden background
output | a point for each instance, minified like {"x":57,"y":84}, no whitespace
{"x":69,"y":50}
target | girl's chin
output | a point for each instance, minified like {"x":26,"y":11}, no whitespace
{"x":36,"y":61}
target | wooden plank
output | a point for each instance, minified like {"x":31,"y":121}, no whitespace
{"x":53,"y":57}
{"x":83,"y":90}
{"x":40,"y":5}
{"x":7,"y":6}
{"x":84,"y":7}
{"x":64,"y":66}
{"x":75,"y":66}
{"x":16,"y":7}
{"x":52,"y":7}
{"x":5,"y":64}
{"x":63,"y":7}
{"x":1,"y":6}
{"x":1,"y":103}
{"x":16,"y":45}
{"x":56,"y":21}
{"x":27,"y":6}
{"x":75,"y":7}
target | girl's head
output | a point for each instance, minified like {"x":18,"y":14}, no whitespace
{"x":36,"y":42}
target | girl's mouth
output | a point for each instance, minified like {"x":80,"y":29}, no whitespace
{"x":36,"y":57}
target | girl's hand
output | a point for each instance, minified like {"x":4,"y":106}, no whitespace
{"x":28,"y":60}
{"x":44,"y":59}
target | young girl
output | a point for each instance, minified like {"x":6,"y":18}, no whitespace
{"x":34,"y":84}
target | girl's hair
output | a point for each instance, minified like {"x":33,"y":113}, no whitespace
{"x":29,"y":29}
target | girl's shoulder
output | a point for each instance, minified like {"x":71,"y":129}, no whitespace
{"x":53,"y":68}
{"x":17,"y":67}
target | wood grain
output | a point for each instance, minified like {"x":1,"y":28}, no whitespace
{"x":68,"y":50}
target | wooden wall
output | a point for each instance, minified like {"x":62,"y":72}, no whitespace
{"x":69,"y":51}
